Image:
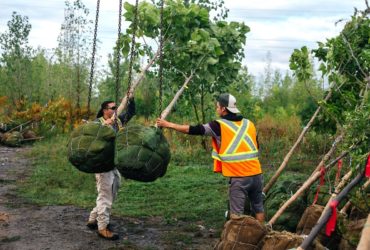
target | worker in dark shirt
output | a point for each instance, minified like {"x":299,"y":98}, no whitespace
{"x":235,"y":153}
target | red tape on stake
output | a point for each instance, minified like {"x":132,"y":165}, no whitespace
{"x":330,"y":226}
{"x":337,"y":177}
{"x":367,"y":168}
{"x":322,"y":182}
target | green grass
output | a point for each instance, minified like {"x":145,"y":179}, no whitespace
{"x":190,"y":192}
{"x":187,"y":193}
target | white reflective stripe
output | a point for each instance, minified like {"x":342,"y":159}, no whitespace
{"x":246,"y":137}
{"x":215,"y":155}
{"x":235,"y":157}
{"x":239,"y":157}
{"x":250,"y":142}
{"x":238,"y":137}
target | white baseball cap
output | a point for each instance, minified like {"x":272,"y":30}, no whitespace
{"x":228,"y":101}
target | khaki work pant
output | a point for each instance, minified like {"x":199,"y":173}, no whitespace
{"x":107,"y":185}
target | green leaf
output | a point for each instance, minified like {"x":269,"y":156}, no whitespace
{"x":212,"y":60}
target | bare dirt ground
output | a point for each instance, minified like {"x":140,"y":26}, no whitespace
{"x":28,"y":226}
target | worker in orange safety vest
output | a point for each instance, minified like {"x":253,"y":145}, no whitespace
{"x":235,"y":154}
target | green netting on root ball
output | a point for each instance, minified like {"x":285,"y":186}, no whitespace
{"x":279,"y":194}
{"x":91,"y":148}
{"x":141,"y":153}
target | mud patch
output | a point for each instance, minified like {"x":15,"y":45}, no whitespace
{"x":28,"y":226}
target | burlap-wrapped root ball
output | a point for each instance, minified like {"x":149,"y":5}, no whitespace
{"x":141,"y":153}
{"x":29,"y":134}
{"x":12,"y":139}
{"x":91,"y":148}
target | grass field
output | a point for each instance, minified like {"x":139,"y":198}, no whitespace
{"x":187,"y":193}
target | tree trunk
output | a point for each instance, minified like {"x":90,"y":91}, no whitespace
{"x":290,"y":153}
{"x":364,"y":243}
{"x":71,"y":99}
{"x":204,"y":141}
{"x":326,"y":214}
{"x":331,"y":151}
{"x":78,"y":92}
{"x":195,"y":110}
{"x":168,"y":109}
{"x":340,"y":186}
{"x":133,"y":86}
{"x":78,"y":82}
{"x":315,"y":175}
{"x":348,"y":204}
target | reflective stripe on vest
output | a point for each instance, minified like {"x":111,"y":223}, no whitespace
{"x":240,"y":136}
{"x":235,"y":157}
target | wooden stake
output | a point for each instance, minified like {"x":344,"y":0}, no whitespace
{"x":290,"y":153}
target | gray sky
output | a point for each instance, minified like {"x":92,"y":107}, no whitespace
{"x":277,"y":26}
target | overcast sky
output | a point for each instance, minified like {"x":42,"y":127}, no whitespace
{"x":277,"y":26}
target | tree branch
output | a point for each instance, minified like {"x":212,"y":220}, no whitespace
{"x":353,"y":55}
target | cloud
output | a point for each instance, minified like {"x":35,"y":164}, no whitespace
{"x":276,"y":26}
{"x":297,"y":7}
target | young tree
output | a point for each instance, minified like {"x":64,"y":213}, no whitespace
{"x":15,"y":58}
{"x":346,"y":62}
{"x":39,"y":78}
{"x":74,"y":47}
{"x":211,"y":50}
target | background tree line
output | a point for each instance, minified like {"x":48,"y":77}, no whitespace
{"x":52,"y":86}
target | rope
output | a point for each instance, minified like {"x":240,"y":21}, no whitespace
{"x":93,"y":58}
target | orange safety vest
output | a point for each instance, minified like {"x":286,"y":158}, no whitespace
{"x":238,"y":152}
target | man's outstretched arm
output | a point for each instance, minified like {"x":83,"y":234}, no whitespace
{"x":178,"y":127}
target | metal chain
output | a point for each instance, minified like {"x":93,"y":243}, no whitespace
{"x":93,"y":58}
{"x":132,"y":50}
{"x":161,"y":60}
{"x":118,"y":61}
{"x":118,"y":56}
{"x":132,"y":55}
